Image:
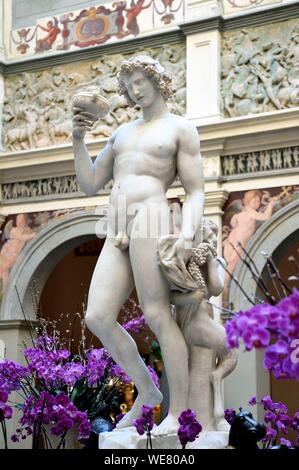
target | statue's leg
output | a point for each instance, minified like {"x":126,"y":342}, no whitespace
{"x":111,"y":285}
{"x":203,"y":331}
{"x":153,"y":294}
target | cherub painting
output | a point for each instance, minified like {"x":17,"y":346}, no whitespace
{"x":16,"y":236}
{"x":248,"y":212}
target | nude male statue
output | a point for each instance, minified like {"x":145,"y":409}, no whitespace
{"x":143,"y":157}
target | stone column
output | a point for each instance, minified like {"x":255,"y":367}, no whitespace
{"x":214,"y":202}
{"x":203,"y":77}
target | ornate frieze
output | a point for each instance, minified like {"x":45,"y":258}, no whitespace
{"x":264,"y":160}
{"x":61,"y":185}
{"x":37,"y":106}
{"x":260,"y":69}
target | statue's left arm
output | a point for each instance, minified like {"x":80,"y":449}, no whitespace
{"x":190,"y":171}
{"x":216,"y":274}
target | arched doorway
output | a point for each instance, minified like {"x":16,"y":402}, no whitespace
{"x":41,"y":255}
{"x":286,"y":391}
{"x":48,"y":255}
{"x":250,"y":378}
{"x":63,"y":299}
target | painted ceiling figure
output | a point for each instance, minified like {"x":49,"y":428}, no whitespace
{"x":17,"y":237}
{"x":132,"y":13}
{"x":46,"y":43}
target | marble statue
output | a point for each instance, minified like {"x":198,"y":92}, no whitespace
{"x":144,"y":157}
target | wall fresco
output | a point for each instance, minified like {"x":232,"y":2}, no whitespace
{"x":97,"y":25}
{"x":244,"y":213}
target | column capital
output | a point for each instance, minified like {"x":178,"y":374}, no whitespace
{"x":214,"y":201}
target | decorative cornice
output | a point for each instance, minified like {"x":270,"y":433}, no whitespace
{"x":226,"y":137}
{"x":253,"y":132}
{"x":258,"y":18}
{"x":124,"y":46}
{"x":244,"y":20}
{"x":268,"y":174}
{"x":200,"y":26}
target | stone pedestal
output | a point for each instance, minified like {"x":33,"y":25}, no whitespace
{"x":128,"y":438}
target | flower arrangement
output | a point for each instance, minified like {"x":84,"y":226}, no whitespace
{"x":145,"y":423}
{"x":189,"y":428}
{"x":59,"y":390}
{"x":272,"y":325}
{"x":276,"y":420}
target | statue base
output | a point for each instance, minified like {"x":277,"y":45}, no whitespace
{"x":128,"y":438}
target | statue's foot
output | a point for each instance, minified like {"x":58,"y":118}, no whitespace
{"x":169,"y":425}
{"x":151,"y":398}
{"x":122,"y":241}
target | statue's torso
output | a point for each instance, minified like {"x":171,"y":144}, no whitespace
{"x":145,"y":159}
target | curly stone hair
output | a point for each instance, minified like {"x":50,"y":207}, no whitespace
{"x":152,"y":69}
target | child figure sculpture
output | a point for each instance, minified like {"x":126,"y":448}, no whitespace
{"x":193,"y":285}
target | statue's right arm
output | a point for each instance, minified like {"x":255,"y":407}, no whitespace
{"x":92,"y":176}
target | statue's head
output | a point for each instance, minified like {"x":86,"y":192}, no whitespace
{"x":147,"y":67}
